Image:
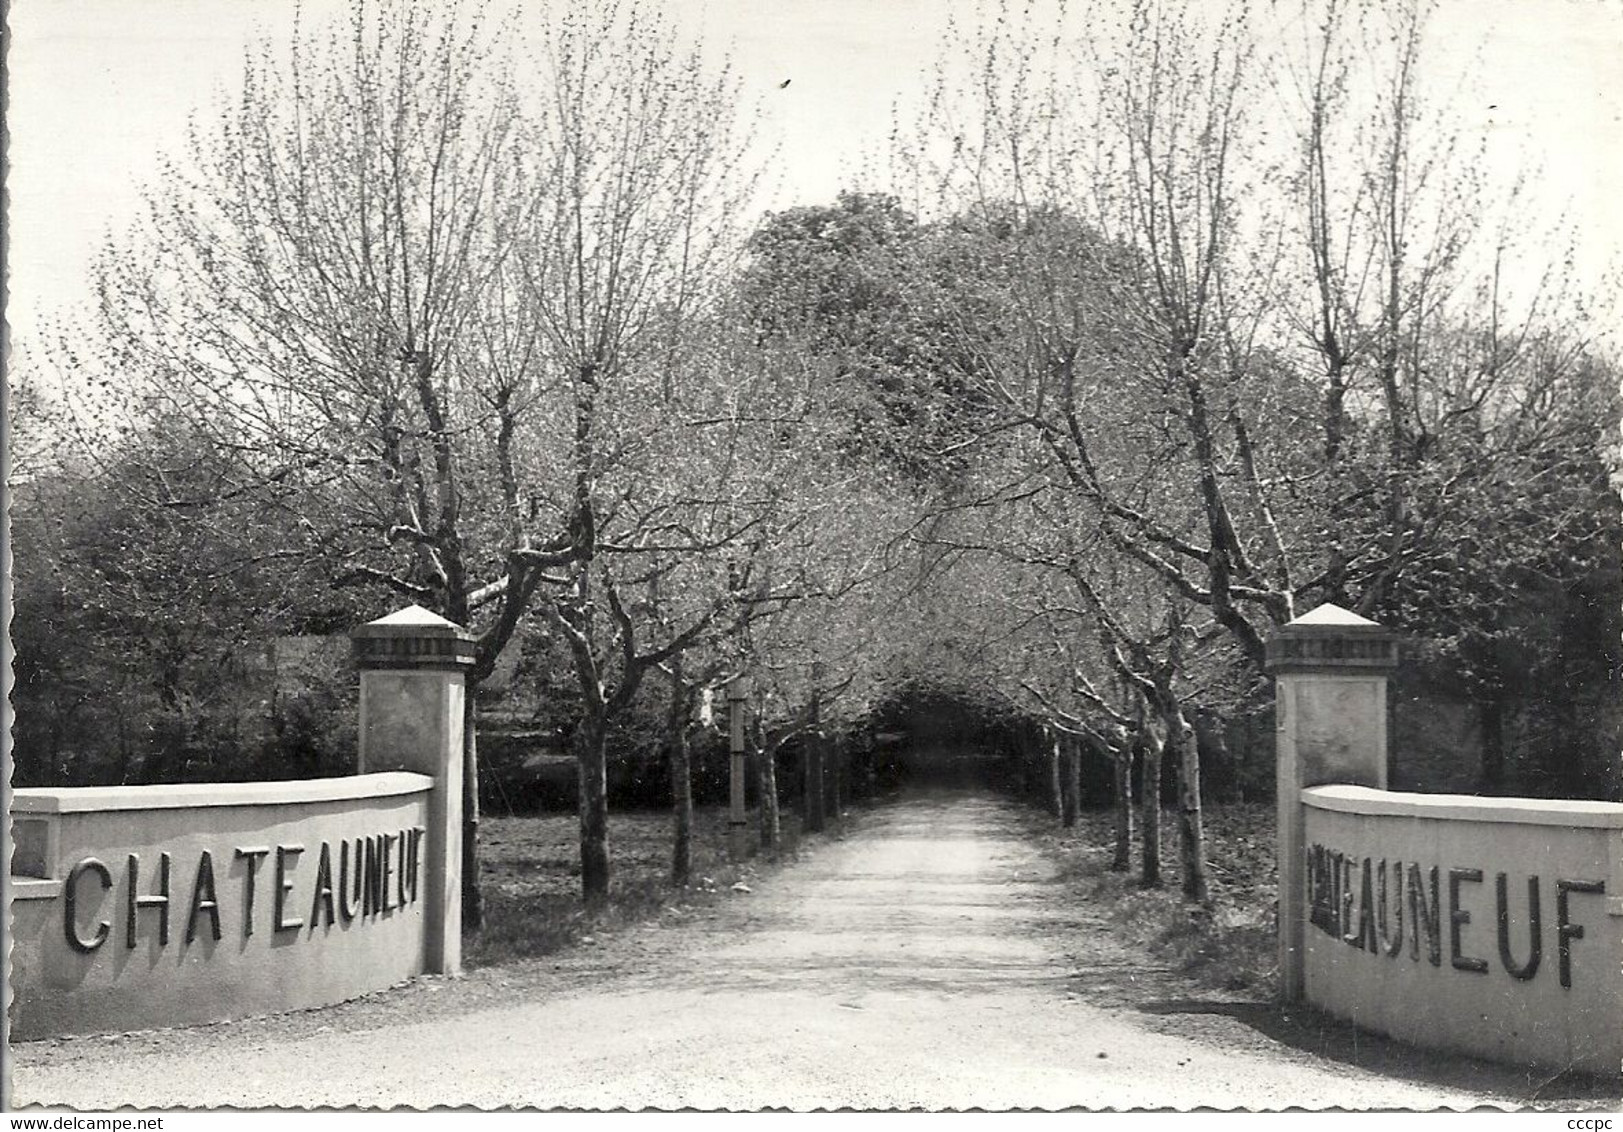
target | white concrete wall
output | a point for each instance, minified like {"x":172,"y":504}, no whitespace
{"x":1363,"y":965}
{"x":265,"y":844}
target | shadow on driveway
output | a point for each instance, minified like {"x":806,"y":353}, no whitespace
{"x":1304,"y":1028}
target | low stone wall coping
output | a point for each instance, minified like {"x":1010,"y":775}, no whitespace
{"x":96,"y":799}
{"x":1466,"y":807}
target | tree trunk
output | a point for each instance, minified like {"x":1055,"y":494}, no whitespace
{"x":812,"y":793}
{"x":1070,"y":755}
{"x":1150,"y":802}
{"x":682,"y":802}
{"x":1078,"y":750}
{"x":1034,"y":764}
{"x":592,"y":773}
{"x":813,"y":800}
{"x":856,"y":756}
{"x":1229,"y":788}
{"x":1492,"y":722}
{"x":681,"y":780}
{"x":1335,"y":410}
{"x":771,"y":823}
{"x":1123,"y":766}
{"x":1191,"y":830}
{"x":473,"y":907}
{"x":126,"y":750}
{"x":837,"y":782}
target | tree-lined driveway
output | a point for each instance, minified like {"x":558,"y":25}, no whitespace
{"x":931,"y":958}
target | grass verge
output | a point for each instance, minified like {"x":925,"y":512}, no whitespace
{"x":530,"y":877}
{"x":1229,"y":943}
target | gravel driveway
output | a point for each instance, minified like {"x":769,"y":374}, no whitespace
{"x":929,"y":959}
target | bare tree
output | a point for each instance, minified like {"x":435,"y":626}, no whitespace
{"x":324,"y":286}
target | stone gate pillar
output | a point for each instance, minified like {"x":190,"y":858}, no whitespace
{"x":412,"y":667}
{"x":1330,"y":670}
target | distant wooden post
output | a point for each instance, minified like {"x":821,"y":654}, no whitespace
{"x":1056,"y":778}
{"x":737,"y":816}
{"x":1330,"y":670}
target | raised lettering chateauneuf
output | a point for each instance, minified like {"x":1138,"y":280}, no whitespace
{"x":1360,"y":901}
{"x":376,"y":876}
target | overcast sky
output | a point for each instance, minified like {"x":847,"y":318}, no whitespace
{"x":99,"y":88}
